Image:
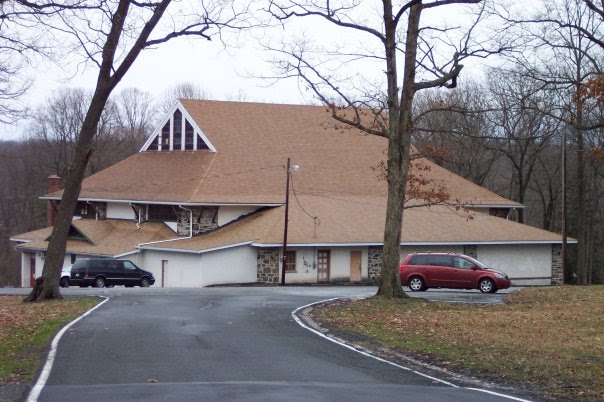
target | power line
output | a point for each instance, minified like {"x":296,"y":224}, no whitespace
{"x":298,"y":201}
{"x":315,"y":219}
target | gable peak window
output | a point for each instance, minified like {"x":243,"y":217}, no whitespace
{"x":178,"y":134}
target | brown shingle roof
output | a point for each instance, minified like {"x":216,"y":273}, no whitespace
{"x":341,"y":221}
{"x":109,"y":237}
{"x":253,"y":142}
{"x":360,"y":220}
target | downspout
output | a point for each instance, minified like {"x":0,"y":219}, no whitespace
{"x":176,"y":239}
{"x":138,"y":214}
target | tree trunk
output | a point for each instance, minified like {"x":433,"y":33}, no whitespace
{"x":399,"y":142}
{"x":106,"y":82}
{"x":55,"y":253}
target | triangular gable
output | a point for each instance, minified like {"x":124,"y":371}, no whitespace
{"x":178,"y":131}
{"x":75,"y":234}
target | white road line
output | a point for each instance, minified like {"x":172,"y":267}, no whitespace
{"x":34,"y":394}
{"x":302,"y":324}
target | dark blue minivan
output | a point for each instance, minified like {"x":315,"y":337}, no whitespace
{"x":101,"y":272}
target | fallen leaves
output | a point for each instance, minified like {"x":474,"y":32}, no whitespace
{"x":26,"y":328}
{"x":546,"y":337}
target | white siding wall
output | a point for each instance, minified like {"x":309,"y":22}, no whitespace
{"x":227,"y":214}
{"x":228,"y":266}
{"x":529,"y":264}
{"x":119,"y":211}
{"x":183,"y":268}
{"x":25,"y":270}
{"x":306,"y":264}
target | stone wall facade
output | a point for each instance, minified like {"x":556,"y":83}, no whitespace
{"x":374,"y":257}
{"x":268,"y":265}
{"x":557,"y":266}
{"x":204,"y":220}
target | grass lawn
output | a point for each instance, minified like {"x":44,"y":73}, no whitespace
{"x":549,"y":340}
{"x":26,"y":330}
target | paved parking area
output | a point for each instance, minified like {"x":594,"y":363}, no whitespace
{"x":327,"y":291}
{"x":229,"y":343}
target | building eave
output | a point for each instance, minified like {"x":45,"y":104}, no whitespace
{"x":176,"y":203}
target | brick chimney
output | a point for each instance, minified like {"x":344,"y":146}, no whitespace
{"x":54,"y":184}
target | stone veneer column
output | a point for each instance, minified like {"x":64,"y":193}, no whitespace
{"x":557,"y":268}
{"x":374,"y":254}
{"x":268,"y":265}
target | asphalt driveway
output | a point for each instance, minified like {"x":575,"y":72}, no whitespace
{"x":224,"y":344}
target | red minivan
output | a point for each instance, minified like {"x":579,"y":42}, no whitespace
{"x":421,"y":271}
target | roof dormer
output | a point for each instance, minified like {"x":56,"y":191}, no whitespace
{"x":178,"y":132}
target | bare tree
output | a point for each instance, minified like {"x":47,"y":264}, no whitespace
{"x":564,"y":52}
{"x":453,"y":130}
{"x":382,"y":107}
{"x":20,"y":208}
{"x":56,"y":124}
{"x":547,"y":186}
{"x":184,"y":90}
{"x":523,"y":125}
{"x":125,"y":124}
{"x":112,"y":35}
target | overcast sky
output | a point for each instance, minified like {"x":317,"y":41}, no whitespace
{"x":223,"y":73}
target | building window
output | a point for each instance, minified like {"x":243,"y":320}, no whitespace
{"x":164,"y":139}
{"x":177,"y":140}
{"x":178,"y":134}
{"x":189,"y":136}
{"x":84,"y":210}
{"x":162,"y":213}
{"x":177,"y":129}
{"x":290,"y":261}
{"x":201,"y":144}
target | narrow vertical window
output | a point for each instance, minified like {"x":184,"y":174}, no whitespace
{"x":290,"y":261}
{"x":177,"y":129}
{"x":177,"y":136}
{"x":157,"y":142}
{"x":164,"y":141}
{"x":189,"y":136}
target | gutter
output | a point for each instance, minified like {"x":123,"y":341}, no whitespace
{"x":424,"y":243}
{"x":178,"y":250}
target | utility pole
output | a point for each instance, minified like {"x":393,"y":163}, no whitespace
{"x":564,"y":250}
{"x":286,"y":219}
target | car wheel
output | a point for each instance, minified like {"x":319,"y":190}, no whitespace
{"x":99,"y":282}
{"x":145,"y":283}
{"x":64,"y":282}
{"x":416,"y":284}
{"x":486,"y":286}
